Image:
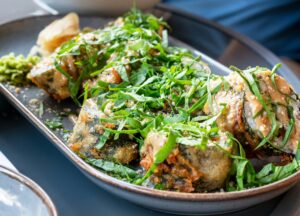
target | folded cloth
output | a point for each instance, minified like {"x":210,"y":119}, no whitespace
{"x":6,"y":163}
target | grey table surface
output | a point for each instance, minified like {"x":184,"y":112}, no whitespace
{"x":33,"y":155}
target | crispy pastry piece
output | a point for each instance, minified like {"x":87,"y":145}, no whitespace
{"x":58,"y":32}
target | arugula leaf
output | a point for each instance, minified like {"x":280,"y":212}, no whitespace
{"x":54,"y":123}
{"x":176,"y":118}
{"x":102,"y":139}
{"x":290,"y":126}
{"x":164,"y":151}
{"x":139,"y":76}
{"x":133,"y":123}
{"x":154,"y":123}
{"x":271,"y":173}
{"x":112,"y":167}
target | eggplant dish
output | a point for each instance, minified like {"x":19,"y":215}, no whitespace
{"x":155,"y":115}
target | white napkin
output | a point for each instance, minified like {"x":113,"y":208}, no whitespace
{"x":24,"y":9}
{"x":6,"y":163}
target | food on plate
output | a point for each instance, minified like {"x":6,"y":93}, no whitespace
{"x":14,"y":69}
{"x":154,"y":114}
{"x":89,"y":138}
{"x":46,"y":76}
{"x":262,"y":108}
{"x":188,"y":168}
{"x":89,"y":53}
{"x":58,"y":32}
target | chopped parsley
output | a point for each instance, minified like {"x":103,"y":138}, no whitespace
{"x":54,"y":123}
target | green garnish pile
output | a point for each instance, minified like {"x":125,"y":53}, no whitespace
{"x":13,"y":69}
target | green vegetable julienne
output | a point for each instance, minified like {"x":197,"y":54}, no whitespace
{"x":102,"y":140}
{"x":273,"y":76}
{"x":54,"y":123}
{"x":161,"y":155}
{"x":114,"y":168}
{"x":245,"y":175}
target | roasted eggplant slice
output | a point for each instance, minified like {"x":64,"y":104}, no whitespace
{"x":188,"y":168}
{"x":283,"y":102}
{"x":88,"y":132}
{"x":246,"y":115}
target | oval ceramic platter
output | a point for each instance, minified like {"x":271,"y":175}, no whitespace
{"x":223,"y":48}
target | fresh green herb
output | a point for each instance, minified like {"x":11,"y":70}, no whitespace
{"x":245,"y":175}
{"x":209,"y":95}
{"x":102,"y":139}
{"x":159,"y":186}
{"x":112,"y":167}
{"x":161,"y":155}
{"x":41,"y":109}
{"x":290,"y":126}
{"x":271,"y":173}
{"x":54,"y":123}
{"x":86,"y":92}
{"x":273,"y":77}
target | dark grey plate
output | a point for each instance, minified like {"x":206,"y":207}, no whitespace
{"x":213,"y":40}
